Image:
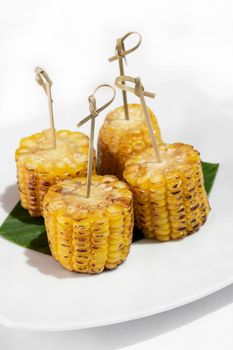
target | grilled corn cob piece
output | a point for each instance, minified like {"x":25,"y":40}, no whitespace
{"x":88,"y":235}
{"x":39,"y":166}
{"x":170,"y":200}
{"x":119,"y":138}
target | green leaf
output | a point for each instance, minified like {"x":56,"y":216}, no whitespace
{"x":20,"y":228}
{"x":209,"y":171}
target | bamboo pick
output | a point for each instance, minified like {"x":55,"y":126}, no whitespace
{"x":94,"y":112}
{"x":43,"y":79}
{"x":120,"y":55}
{"x":138,"y":90}
{"x":92,"y":106}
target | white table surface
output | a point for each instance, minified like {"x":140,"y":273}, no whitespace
{"x":182,"y":39}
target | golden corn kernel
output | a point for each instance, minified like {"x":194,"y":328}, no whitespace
{"x":120,"y":138}
{"x":39,"y":166}
{"x":89,"y":235}
{"x":170,"y":200}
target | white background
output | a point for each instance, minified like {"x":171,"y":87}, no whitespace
{"x":72,"y":39}
{"x":191,"y":40}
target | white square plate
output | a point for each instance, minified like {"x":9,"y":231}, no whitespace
{"x":36,"y":293}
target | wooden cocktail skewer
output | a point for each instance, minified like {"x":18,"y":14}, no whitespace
{"x":120,"y":55}
{"x":43,"y":79}
{"x":138,"y":90}
{"x":94,"y":113}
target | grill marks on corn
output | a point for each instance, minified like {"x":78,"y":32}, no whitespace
{"x":169,"y":198}
{"x":82,"y":242}
{"x":119,"y":138}
{"x":191,"y":201}
{"x":31,"y":192}
{"x":177,"y":212}
{"x":91,"y":234}
{"x":39,"y":166}
{"x":204,"y":207}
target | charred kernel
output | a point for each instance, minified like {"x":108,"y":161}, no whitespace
{"x":194,"y":207}
{"x":188,"y":197}
{"x":182,"y":217}
{"x":46,"y":183}
{"x":177,"y":192}
{"x":191,"y":189}
{"x":182,"y":228}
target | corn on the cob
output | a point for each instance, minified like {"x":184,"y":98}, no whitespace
{"x":39,"y":166}
{"x":170,"y":200}
{"x":88,"y":235}
{"x":119,"y":138}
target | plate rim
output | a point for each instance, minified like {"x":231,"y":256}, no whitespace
{"x":53,"y":327}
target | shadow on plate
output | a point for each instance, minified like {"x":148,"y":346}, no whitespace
{"x":9,"y":198}
{"x":47,"y":265}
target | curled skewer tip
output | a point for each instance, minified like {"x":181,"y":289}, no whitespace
{"x":120,"y":55}
{"x":120,"y":46}
{"x":92,"y":104}
{"x":42,"y":78}
{"x":120,"y":82}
